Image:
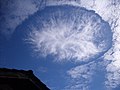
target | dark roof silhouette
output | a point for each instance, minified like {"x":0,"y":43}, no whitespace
{"x":12,"y":79}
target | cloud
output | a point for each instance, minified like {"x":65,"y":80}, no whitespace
{"x":42,"y":69}
{"x":109,"y":11}
{"x":76,"y":85}
{"x":113,"y":75}
{"x":81,"y":76}
{"x":14,"y":12}
{"x":78,"y":34}
{"x":84,"y":71}
{"x":113,"y":68}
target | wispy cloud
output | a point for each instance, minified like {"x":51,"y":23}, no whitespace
{"x":42,"y":69}
{"x":113,"y":75}
{"x":14,"y":12}
{"x":70,"y":35}
{"x":81,"y":76}
{"x":84,"y":71}
{"x":113,"y":68}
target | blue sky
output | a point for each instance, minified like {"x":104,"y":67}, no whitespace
{"x":69,"y":45}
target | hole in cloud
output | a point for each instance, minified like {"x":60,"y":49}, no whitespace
{"x":69,"y":33}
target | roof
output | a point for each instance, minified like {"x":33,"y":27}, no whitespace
{"x":20,"y":80}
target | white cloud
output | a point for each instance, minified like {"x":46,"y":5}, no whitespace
{"x":70,"y":37}
{"x":14,"y":12}
{"x":77,"y":86}
{"x":62,"y":2}
{"x":82,"y":71}
{"x":109,"y":10}
{"x":81,"y":76}
{"x":113,"y":69}
{"x":113,"y":77}
{"x":112,"y":16}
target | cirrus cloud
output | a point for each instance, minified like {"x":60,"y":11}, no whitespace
{"x":78,"y":34}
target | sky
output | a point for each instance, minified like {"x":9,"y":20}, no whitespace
{"x":69,"y":44}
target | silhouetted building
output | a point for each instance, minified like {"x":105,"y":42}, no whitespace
{"x":12,"y":79}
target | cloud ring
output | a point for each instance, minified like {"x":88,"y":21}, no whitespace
{"x":69,"y":33}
